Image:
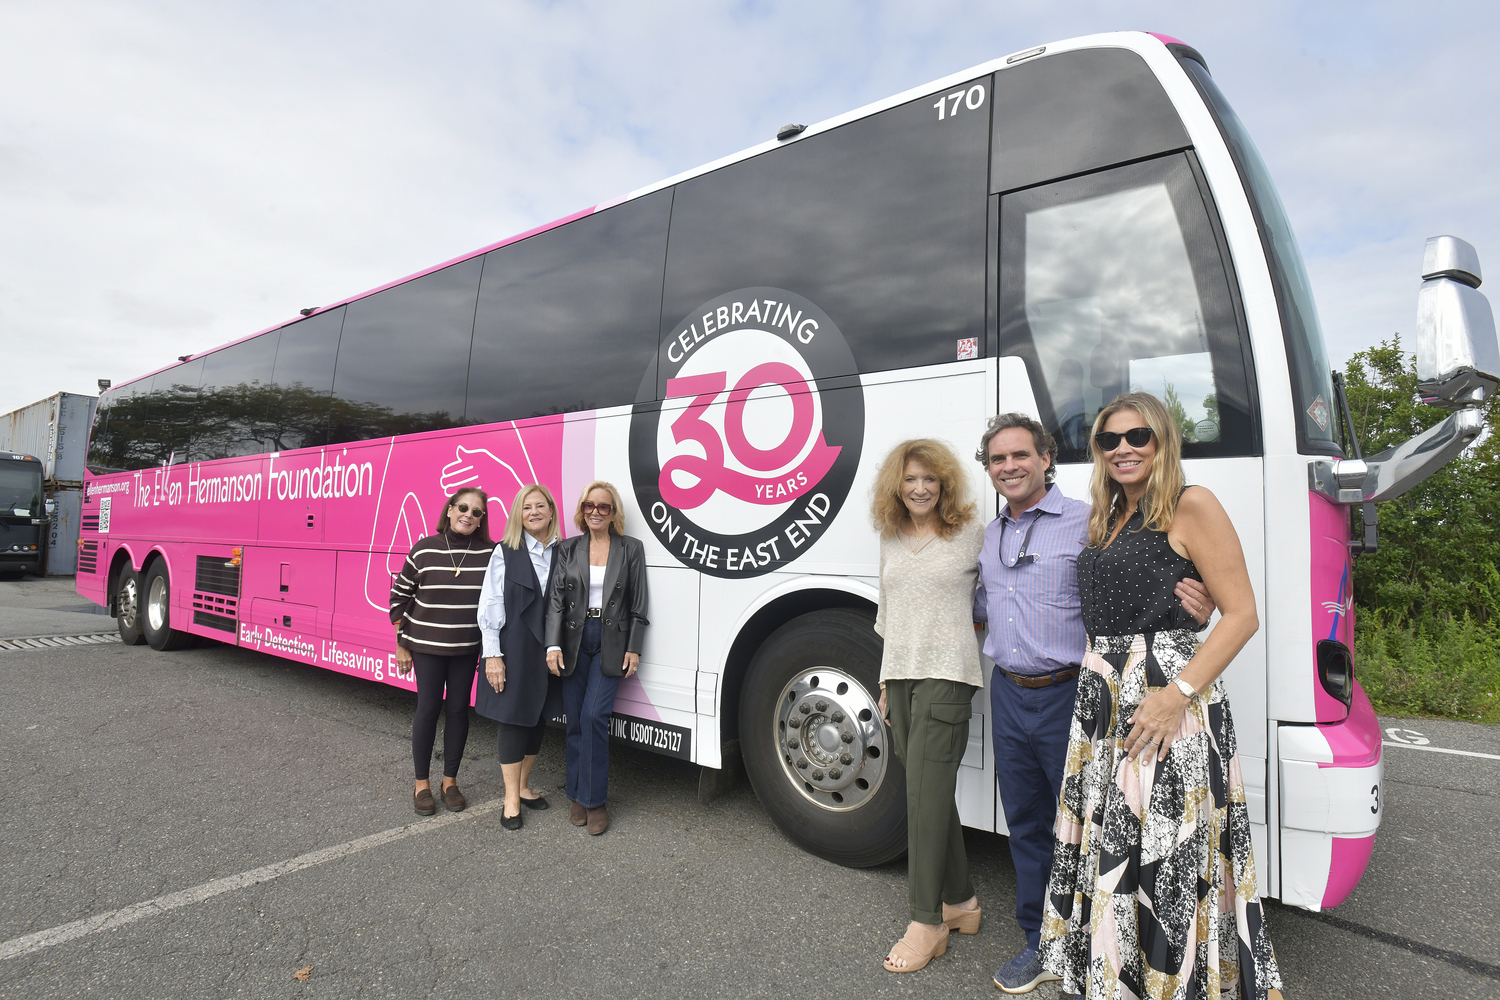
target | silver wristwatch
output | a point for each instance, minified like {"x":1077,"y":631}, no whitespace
{"x":1184,"y":687}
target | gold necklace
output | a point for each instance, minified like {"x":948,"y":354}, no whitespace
{"x":458,"y":565}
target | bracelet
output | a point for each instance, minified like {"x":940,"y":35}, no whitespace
{"x":1185,"y":688}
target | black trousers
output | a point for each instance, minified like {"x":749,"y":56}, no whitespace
{"x":516,"y":742}
{"x":434,"y":675}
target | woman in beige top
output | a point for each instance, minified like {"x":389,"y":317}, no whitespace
{"x":929,"y":550}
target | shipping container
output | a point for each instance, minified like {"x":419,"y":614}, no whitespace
{"x":56,"y":431}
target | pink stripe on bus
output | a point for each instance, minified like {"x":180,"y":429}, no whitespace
{"x":1355,"y":742}
{"x":1166,"y":39}
{"x":1349,"y":859}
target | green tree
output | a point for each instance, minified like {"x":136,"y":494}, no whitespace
{"x":1440,"y":541}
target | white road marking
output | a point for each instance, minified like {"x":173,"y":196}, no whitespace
{"x":28,"y":943}
{"x":1461,"y":753}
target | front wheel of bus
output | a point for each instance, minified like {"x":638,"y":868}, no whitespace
{"x":156,"y":616}
{"x":816,"y":750}
{"x":128,"y":606}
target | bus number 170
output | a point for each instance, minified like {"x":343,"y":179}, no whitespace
{"x":973,"y":99}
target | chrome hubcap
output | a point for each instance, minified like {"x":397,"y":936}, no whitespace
{"x":156,"y":604}
{"x":833,"y":744}
{"x":128,"y":603}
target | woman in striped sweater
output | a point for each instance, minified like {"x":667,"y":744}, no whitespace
{"x":434,"y":606}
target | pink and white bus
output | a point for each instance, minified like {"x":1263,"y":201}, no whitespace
{"x":736,"y":347}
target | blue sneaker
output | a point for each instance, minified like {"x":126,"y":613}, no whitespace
{"x":1022,"y":973}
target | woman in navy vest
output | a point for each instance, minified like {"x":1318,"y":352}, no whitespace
{"x":521,"y":695}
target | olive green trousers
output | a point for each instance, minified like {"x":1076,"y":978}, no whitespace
{"x":930,"y":730}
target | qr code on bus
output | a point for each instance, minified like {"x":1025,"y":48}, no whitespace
{"x":104,"y":515}
{"x":968,"y":347}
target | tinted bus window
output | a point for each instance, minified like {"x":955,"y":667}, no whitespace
{"x":568,"y":319}
{"x":1312,"y":385}
{"x":233,"y":398}
{"x":404,"y":356}
{"x":174,"y":398}
{"x":1114,"y":282}
{"x":880,"y":222}
{"x":1060,"y":115}
{"x":297,"y":412}
{"x":101,"y":450}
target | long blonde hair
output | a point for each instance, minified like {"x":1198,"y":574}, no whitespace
{"x":954,"y":509}
{"x":616,"y":523}
{"x":515,"y":531}
{"x":1158,"y":505}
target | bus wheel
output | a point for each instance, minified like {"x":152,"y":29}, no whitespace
{"x":817,"y":752}
{"x":156,"y":616}
{"x":128,"y":606}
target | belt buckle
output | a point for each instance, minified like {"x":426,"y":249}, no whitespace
{"x":594,"y":613}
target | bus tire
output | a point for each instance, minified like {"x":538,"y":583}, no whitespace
{"x":156,"y":611}
{"x":128,"y":606}
{"x":815,"y":748}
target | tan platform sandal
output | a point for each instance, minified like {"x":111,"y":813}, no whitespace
{"x":916,"y":959}
{"x":963,"y":921}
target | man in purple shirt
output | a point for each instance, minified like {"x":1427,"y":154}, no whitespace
{"x":1028,"y":595}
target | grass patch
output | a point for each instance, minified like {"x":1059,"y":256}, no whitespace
{"x":1448,"y":669}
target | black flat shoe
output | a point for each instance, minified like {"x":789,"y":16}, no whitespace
{"x":424,"y":803}
{"x":540,"y":802}
{"x":511,"y":822}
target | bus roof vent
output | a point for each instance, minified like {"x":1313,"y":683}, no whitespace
{"x":787,"y":131}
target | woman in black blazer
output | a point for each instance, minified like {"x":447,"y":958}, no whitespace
{"x":596,"y":625}
{"x":517,"y":691}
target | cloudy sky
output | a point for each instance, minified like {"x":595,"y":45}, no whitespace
{"x":175,"y":175}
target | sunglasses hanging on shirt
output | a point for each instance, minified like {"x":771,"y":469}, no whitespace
{"x":1023,"y":558}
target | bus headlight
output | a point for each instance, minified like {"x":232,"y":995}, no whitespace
{"x":1336,"y":670}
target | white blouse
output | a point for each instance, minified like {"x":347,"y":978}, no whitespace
{"x":926,"y":612}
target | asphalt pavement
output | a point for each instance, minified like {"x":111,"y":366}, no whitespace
{"x":261,"y":810}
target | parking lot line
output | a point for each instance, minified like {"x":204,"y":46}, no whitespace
{"x":1430,"y":749}
{"x":28,"y":943}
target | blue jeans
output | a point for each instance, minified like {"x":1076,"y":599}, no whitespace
{"x":588,"y":701}
{"x":1031,"y":753}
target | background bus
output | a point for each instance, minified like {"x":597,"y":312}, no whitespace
{"x":737,"y":347}
{"x":23,"y":516}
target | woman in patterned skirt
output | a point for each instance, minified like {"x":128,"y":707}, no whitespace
{"x":1152,"y":891}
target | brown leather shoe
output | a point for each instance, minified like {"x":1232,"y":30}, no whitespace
{"x":598,"y":820}
{"x":454,"y":799}
{"x":577,"y":815}
{"x":424,"y":803}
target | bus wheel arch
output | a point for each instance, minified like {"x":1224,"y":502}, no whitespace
{"x":125,"y":598}
{"x":156,"y":606}
{"x":815,"y":749}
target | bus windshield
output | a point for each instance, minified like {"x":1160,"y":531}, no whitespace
{"x":1312,"y":386}
{"x":20,"y":489}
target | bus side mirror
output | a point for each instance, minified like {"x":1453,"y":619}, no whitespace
{"x":1458,"y":360}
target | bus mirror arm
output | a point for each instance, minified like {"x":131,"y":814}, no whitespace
{"x":1392,"y":472}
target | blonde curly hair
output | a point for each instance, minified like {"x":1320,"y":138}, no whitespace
{"x":954,"y":508}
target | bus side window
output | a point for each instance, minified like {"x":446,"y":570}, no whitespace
{"x":296,"y":414}
{"x":879,"y":222}
{"x":567,"y":319}
{"x":234,"y":393}
{"x":1073,"y":112}
{"x":404,"y":356}
{"x":1113,"y":282}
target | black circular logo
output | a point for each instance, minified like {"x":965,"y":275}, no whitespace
{"x":753,"y":452}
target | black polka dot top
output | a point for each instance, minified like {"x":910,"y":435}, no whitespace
{"x":1126,"y":589}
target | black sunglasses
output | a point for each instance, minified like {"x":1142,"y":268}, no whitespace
{"x":1136,"y":437}
{"x":464,"y":508}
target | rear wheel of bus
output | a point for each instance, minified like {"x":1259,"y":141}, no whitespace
{"x":816,"y":750}
{"x":128,"y":605}
{"x":156,"y":616}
